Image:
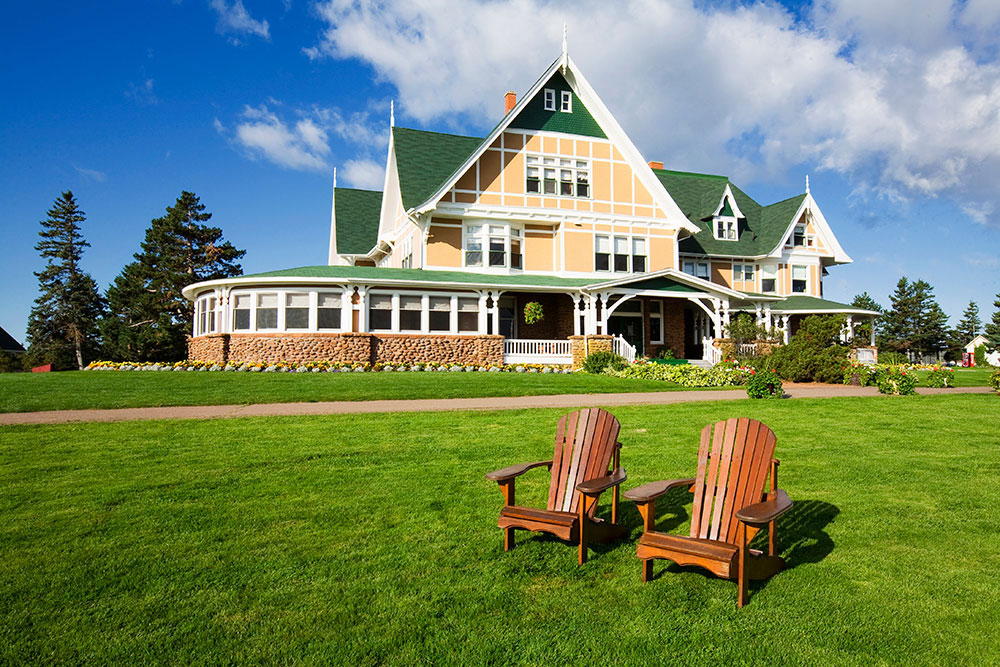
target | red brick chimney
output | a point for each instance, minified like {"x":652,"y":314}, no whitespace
{"x":653,"y":164}
{"x":509,"y":101}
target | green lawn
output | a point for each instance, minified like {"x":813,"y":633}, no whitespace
{"x":370,"y":539}
{"x":966,"y":377}
{"x":26,"y":392}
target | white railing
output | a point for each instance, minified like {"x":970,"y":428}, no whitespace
{"x":621,"y":347}
{"x":710,"y":353}
{"x":746,"y":349}
{"x":522,"y":351}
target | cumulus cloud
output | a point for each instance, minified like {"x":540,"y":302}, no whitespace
{"x":902,"y":97}
{"x":303,"y":141}
{"x":364,"y":174}
{"x":234,"y":18}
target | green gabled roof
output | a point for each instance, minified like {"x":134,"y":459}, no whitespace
{"x":357,"y":214}
{"x":579,"y":121}
{"x":812,"y":303}
{"x":374,"y":274}
{"x":425,"y":160}
{"x":661,"y":284}
{"x":699,"y":195}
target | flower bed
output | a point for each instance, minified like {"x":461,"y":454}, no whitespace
{"x":323,"y":367}
{"x":721,"y":375}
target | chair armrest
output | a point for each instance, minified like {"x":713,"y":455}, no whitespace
{"x":767,"y":511}
{"x":653,"y":490}
{"x":513,"y":471}
{"x":594,"y":486}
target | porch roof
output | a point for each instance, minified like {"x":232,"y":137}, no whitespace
{"x":799,"y":305}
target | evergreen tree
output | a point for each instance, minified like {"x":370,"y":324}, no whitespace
{"x":150,"y":318}
{"x":968,"y":328}
{"x":915,"y":324}
{"x":863,"y":330}
{"x":898,"y":323}
{"x":63,"y":324}
{"x":993,"y":327}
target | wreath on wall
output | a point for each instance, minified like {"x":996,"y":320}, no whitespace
{"x":533,"y":312}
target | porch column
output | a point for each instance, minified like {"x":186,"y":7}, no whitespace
{"x":717,"y":318}
{"x":604,"y":312}
{"x":483,"y":315}
{"x":576,"y":314}
{"x":347,"y":308}
{"x":767,"y":317}
{"x":725,"y":313}
{"x":872,"y":320}
{"x":760,"y":316}
{"x":362,"y":308}
{"x":785,"y":328}
{"x":850,"y":327}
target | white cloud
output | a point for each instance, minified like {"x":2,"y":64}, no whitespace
{"x":234,"y":18}
{"x":142,"y":93}
{"x":900,"y":96}
{"x":364,"y":174}
{"x":91,"y":174}
{"x":304,"y":142}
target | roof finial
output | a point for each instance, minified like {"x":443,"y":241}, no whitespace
{"x":334,"y":178}
{"x":392,"y":113}
{"x":565,"y":50}
{"x":807,"y":183}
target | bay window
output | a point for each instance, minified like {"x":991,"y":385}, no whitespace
{"x":296,"y":311}
{"x":468,"y":315}
{"x":380,"y":312}
{"x":241,"y":312}
{"x":328,"y":310}
{"x":439,"y":317}
{"x":502,"y":243}
{"x":410,"y":309}
{"x":267,"y":311}
{"x":205,"y":316}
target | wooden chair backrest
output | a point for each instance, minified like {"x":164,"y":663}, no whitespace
{"x":733,"y":464}
{"x":585,"y":443}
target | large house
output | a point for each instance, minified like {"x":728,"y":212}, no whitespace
{"x":555,"y":207}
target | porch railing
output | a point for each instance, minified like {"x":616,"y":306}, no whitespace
{"x":522,"y":351}
{"x":621,"y":347}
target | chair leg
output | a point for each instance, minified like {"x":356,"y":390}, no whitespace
{"x":583,"y":532}
{"x":647,"y":570}
{"x":508,"y":539}
{"x":742,"y":596}
{"x":772,"y":538}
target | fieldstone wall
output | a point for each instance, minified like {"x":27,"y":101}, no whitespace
{"x":346,"y":347}
{"x":580,"y":346}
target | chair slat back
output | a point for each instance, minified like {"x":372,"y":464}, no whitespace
{"x":585,"y":442}
{"x":733,"y":462}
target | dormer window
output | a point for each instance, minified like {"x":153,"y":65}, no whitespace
{"x":726,"y":228}
{"x":800,"y":238}
{"x":566,"y":105}
{"x":550,"y":99}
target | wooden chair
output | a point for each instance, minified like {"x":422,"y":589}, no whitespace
{"x":729,"y":507}
{"x":586,"y":443}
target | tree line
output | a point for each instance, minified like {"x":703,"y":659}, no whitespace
{"x":142,"y":316}
{"x":915,"y":325}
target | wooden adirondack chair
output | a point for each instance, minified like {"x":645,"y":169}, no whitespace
{"x":729,"y":507}
{"x":586,"y":443}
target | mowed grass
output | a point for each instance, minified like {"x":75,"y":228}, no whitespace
{"x":372,"y":539}
{"x":964,"y":377}
{"x":77,"y":390}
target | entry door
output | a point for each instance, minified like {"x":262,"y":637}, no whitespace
{"x":629,"y":328}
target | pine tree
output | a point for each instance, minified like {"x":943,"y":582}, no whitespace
{"x":915,"y":324}
{"x":898,"y":323}
{"x":968,"y":328}
{"x":993,"y":327}
{"x":150,"y":317}
{"x":63,"y":324}
{"x":863,"y":330}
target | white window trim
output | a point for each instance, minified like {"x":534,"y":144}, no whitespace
{"x":484,"y":239}
{"x":425,"y":313}
{"x":657,"y":316}
{"x":727,"y":220}
{"x":791,"y":278}
{"x":573,"y":168}
{"x":808,"y":240}
{"x":630,"y":238}
{"x":766,"y":272}
{"x":566,"y":101}
{"x":200,"y":312}
{"x":549,"y":99}
{"x":695,"y":264}
{"x":313,"y":295}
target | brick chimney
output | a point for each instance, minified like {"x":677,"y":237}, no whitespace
{"x":509,"y":101}
{"x":653,"y":164}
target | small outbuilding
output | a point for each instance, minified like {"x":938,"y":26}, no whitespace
{"x":8,"y":344}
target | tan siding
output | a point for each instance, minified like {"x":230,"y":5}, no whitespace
{"x":814,"y":280}
{"x":623,"y":185}
{"x":550,"y":145}
{"x":566,"y":147}
{"x":511,"y":140}
{"x":602,"y":180}
{"x":602,"y":150}
{"x":533,"y":144}
{"x":579,"y":251}
{"x":513,"y":174}
{"x":465,"y":197}
{"x":661,"y":253}
{"x":490,"y":199}
{"x":642,"y":196}
{"x":722,"y":274}
{"x":489,"y":171}
{"x":468,"y":180}
{"x":444,"y":246}
{"x":583,"y":149}
{"x":538,"y":252}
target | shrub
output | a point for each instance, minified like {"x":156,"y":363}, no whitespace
{"x":892,"y":358}
{"x":763,"y":384}
{"x":10,"y":362}
{"x":862,"y":375}
{"x":814,"y":354}
{"x":980,"y":355}
{"x":895,"y":381}
{"x":940,"y":377}
{"x":721,"y":375}
{"x":598,"y":362}
{"x":995,"y":381}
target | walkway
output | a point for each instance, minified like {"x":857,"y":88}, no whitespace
{"x":435,"y":405}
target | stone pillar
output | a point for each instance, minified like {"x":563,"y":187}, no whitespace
{"x":577,"y":349}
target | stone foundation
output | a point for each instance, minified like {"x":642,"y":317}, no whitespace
{"x":581,"y":346}
{"x":346,"y":347}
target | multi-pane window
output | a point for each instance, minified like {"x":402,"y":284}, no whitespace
{"x":328,"y":310}
{"x":296,"y":311}
{"x":800,"y":238}
{"x":768,"y":279}
{"x":566,"y":177}
{"x":242,"y":304}
{"x":743,"y":272}
{"x":468,"y":315}
{"x":629,"y":254}
{"x":602,"y":253}
{"x":380,"y":312}
{"x":638,"y":255}
{"x":726,"y":229}
{"x":205,"y":318}
{"x":410,"y":309}
{"x":407,"y":313}
{"x":439,"y":315}
{"x":550,"y":99}
{"x":267,"y":311}
{"x":696,"y":269}
{"x":566,"y":104}
{"x":502,"y":243}
{"x":800,"y":278}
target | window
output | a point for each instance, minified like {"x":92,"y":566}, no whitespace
{"x":550,"y":99}
{"x":502,"y":242}
{"x":602,"y":253}
{"x":241,"y":312}
{"x":726,"y":229}
{"x":566,"y":105}
{"x":267,"y":311}
{"x":621,"y":253}
{"x":655,"y":322}
{"x":410,"y":309}
{"x":768,"y":279}
{"x":696,"y":269}
{"x":328,"y":311}
{"x":205,"y":316}
{"x":439,"y":316}
{"x":379,"y":312}
{"x":563,"y":177}
{"x":639,"y":255}
{"x":406,"y":251}
{"x":468,"y":315}
{"x":800,"y":239}
{"x":800,"y":278}
{"x":743,"y":272}
{"x":296,"y":311}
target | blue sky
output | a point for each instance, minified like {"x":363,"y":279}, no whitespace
{"x":892,"y":108}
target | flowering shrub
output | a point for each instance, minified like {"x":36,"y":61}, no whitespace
{"x":896,"y":381}
{"x":597,"y":362}
{"x":995,"y":381}
{"x":865,"y":375}
{"x":940,"y":377}
{"x":323,"y":367}
{"x":721,"y":375}
{"x":763,"y":384}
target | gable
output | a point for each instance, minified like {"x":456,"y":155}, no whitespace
{"x":425,"y":160}
{"x":357,"y":215}
{"x":535,"y":117}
